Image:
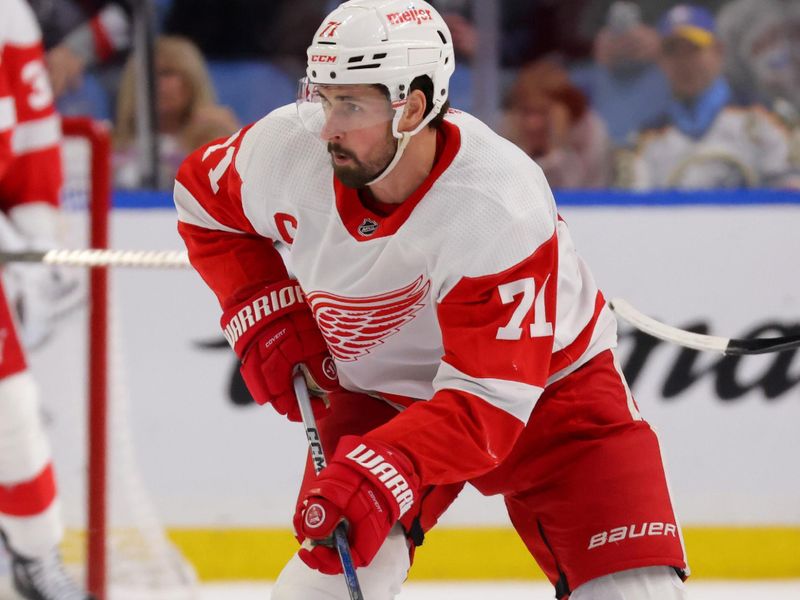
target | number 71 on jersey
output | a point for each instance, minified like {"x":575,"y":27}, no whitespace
{"x":540,"y":327}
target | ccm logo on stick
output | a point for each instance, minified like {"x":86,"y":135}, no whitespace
{"x":619,"y":534}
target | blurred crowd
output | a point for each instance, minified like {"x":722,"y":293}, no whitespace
{"x":604,"y":93}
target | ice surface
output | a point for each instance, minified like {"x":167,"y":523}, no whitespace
{"x":698,"y":590}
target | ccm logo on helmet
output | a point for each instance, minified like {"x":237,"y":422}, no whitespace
{"x":619,"y":534}
{"x":322,"y":58}
{"x":415,"y":15}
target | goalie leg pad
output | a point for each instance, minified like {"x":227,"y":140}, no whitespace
{"x":29,"y":513}
{"x":34,"y":536}
{"x":381,"y":580}
{"x":24,"y":451}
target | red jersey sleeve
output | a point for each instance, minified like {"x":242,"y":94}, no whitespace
{"x":232,"y":258}
{"x":497,"y":333}
{"x":35,"y":175}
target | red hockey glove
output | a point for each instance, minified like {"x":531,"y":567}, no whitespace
{"x":272,"y":332}
{"x":369,"y":485}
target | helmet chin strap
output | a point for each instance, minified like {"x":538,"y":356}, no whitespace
{"x":405,"y":137}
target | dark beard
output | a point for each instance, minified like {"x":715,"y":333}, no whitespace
{"x":354,"y":177}
{"x":360,"y":175}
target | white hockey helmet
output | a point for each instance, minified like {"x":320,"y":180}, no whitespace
{"x":387,"y":42}
{"x":384,"y":42}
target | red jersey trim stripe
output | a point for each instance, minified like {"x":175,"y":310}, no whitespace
{"x":31,"y":497}
{"x":566,"y":356}
{"x":513,"y":397}
{"x":224,"y":206}
{"x":353,"y":214}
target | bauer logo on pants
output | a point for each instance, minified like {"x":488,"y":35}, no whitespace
{"x":619,"y":534}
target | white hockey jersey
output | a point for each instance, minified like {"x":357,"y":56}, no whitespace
{"x":744,"y":147}
{"x":461,"y":305}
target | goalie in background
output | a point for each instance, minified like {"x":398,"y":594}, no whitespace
{"x":705,"y":139}
{"x":30,"y":181}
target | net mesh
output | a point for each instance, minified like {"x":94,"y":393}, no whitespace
{"x":141,"y":561}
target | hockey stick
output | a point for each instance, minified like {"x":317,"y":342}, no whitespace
{"x":100,"y":258}
{"x":699,"y":341}
{"x":318,"y":458}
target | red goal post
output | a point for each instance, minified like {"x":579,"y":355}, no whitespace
{"x":127,"y":554}
{"x":98,"y":138}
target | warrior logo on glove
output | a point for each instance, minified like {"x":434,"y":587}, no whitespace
{"x":273,"y":332}
{"x":367,"y":484}
{"x":386,"y":474}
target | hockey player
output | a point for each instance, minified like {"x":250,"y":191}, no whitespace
{"x":30,"y":179}
{"x":440,"y":303}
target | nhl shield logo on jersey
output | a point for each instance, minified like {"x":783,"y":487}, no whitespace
{"x":368,"y":227}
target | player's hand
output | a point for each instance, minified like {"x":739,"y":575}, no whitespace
{"x":273,"y":332}
{"x":65,"y":69}
{"x":367,"y":484}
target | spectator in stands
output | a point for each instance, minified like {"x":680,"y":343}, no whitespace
{"x":85,"y":41}
{"x":625,"y":85}
{"x":187,"y":111}
{"x":517,"y":22}
{"x":92,"y":41}
{"x":256,"y":49}
{"x":277,"y":31}
{"x":762,"y":42}
{"x":704,"y":140}
{"x":550,"y":119}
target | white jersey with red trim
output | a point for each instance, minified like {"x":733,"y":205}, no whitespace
{"x":27,"y":112}
{"x":469,"y":297}
{"x":746,"y":146}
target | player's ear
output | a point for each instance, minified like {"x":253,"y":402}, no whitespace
{"x":414,"y":111}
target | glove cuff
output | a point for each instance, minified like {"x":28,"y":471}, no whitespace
{"x":389,"y":470}
{"x":243,"y":322}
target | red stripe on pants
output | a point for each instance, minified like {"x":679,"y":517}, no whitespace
{"x":29,"y":498}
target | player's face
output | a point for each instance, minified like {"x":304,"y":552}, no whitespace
{"x":690,"y":68}
{"x":358,"y":131}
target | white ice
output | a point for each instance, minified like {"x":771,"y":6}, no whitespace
{"x":698,"y":590}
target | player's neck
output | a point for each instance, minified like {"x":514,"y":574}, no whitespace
{"x":413,"y":168}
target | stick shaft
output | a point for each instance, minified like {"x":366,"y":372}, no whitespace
{"x":92,"y":257}
{"x":318,"y":458}
{"x":699,"y":341}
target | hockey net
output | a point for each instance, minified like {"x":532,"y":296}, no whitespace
{"x":114,"y":539}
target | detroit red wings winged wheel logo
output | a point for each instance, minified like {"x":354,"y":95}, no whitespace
{"x":353,"y":326}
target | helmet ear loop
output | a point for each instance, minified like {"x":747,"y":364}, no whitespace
{"x":402,"y":141}
{"x":405,"y":137}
